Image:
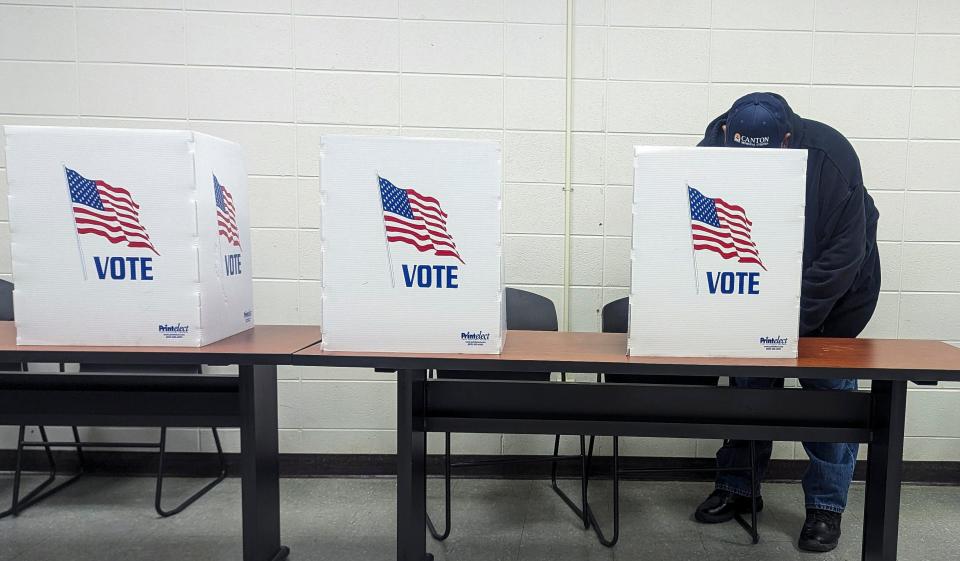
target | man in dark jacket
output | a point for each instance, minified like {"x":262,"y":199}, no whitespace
{"x":839,"y":291}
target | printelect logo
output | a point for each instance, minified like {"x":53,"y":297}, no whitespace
{"x":753,"y":141}
{"x":478,"y":336}
{"x":173,"y":331}
{"x":475,"y":339}
{"x":773,"y":343}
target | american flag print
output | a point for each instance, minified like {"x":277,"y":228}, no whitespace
{"x":722,"y":228}
{"x":106,"y":211}
{"x":226,"y":214}
{"x":417,"y":220}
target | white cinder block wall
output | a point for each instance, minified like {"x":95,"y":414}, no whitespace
{"x":274,"y":75}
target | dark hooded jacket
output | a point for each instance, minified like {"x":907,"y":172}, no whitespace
{"x":841,"y":263}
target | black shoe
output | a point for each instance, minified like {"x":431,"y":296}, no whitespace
{"x":722,"y":505}
{"x":821,"y":531}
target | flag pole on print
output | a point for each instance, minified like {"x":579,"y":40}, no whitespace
{"x":382,"y":183}
{"x":83,"y":262}
{"x":415,"y":219}
{"x":106,"y":211}
{"x":722,"y":228}
{"x":693,"y":248}
{"x":226,"y":217}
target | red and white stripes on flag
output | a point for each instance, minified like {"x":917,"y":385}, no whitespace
{"x":107,"y":211}
{"x":415,"y":219}
{"x":722,"y":228}
{"x":226,"y":213}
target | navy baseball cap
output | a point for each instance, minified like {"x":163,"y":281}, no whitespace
{"x":757,"y":120}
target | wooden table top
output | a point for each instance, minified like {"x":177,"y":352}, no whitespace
{"x":897,"y":359}
{"x":590,"y":352}
{"x":262,"y":344}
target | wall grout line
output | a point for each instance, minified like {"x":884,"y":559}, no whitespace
{"x":903,"y":208}
{"x":185,"y":66}
{"x":605,"y":125}
{"x":76,"y":50}
{"x":813,"y":54}
{"x":296,"y":167}
{"x":400,"y":26}
{"x":503,"y":144}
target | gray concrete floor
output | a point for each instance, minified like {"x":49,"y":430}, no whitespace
{"x":103,"y":518}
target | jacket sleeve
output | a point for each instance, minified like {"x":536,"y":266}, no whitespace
{"x":842,"y":241}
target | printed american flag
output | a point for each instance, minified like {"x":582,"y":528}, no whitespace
{"x":226,"y":213}
{"x":107,"y":211}
{"x":722,"y":228}
{"x":415,"y":219}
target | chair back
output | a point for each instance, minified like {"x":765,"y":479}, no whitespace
{"x":6,"y":300}
{"x":526,"y":311}
{"x":6,"y":314}
{"x":614,"y":318}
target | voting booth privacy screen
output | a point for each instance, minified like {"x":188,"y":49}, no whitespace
{"x":717,"y":251}
{"x":127,"y":237}
{"x":411,"y":245}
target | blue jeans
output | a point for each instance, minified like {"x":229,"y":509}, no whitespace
{"x":827,"y":479}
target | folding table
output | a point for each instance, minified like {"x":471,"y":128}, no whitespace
{"x":247,"y":401}
{"x":874,"y":416}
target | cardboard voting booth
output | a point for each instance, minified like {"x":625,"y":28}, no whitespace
{"x":127,"y":237}
{"x":717,"y":251}
{"x":411,"y":245}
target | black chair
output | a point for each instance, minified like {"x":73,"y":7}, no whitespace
{"x":615,"y":319}
{"x":161,"y":444}
{"x":43,"y":489}
{"x":525,"y":311}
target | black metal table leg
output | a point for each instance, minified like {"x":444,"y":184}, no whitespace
{"x":884,"y":469}
{"x":411,"y":467}
{"x":447,"y":464}
{"x":751,"y":528}
{"x":260,"y":464}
